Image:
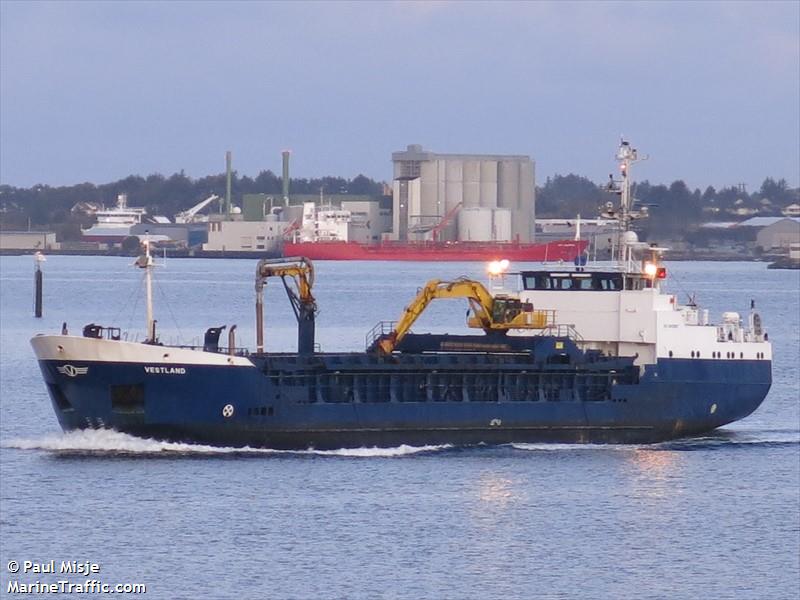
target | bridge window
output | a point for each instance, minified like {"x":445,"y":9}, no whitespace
{"x":576,"y":281}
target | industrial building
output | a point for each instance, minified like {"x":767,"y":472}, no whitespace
{"x":28,"y":240}
{"x":773,"y":233}
{"x":370,"y":219}
{"x":245,"y":236}
{"x":181,"y":235}
{"x":265,"y":220}
{"x":468,"y":197}
{"x":778,"y":235}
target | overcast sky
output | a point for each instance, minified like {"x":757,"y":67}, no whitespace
{"x":95,"y":91}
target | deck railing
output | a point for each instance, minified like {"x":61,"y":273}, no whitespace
{"x":381,"y":329}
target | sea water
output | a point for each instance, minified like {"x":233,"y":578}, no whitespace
{"x":710,"y":517}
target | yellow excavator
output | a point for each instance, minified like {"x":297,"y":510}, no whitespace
{"x":491,"y":313}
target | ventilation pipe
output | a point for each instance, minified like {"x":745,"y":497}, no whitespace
{"x":227,"y":183}
{"x":285,"y":154}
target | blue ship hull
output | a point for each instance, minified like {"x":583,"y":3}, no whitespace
{"x":353,"y":400}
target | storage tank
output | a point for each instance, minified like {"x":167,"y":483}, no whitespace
{"x":475,"y":224}
{"x":501,"y":217}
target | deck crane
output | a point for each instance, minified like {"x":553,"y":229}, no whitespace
{"x":493,"y":314}
{"x":300,"y":271}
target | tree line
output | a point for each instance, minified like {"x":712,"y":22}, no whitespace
{"x":673,"y":208}
{"x":43,"y":206}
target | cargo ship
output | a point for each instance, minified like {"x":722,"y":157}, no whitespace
{"x":323,"y":234}
{"x":569,"y":354}
{"x":114,"y":224}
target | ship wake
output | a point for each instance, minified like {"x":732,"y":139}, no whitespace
{"x":109,"y":442}
{"x":717,"y":440}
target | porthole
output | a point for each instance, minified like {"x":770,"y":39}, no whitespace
{"x":741,"y":354}
{"x":692,"y":353}
{"x":670,"y":353}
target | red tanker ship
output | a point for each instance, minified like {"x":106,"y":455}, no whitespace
{"x":563,"y":250}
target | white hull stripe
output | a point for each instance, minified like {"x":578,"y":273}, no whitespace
{"x":81,"y":349}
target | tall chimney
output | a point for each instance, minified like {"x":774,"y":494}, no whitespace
{"x":228,"y":183}
{"x":285,"y":155}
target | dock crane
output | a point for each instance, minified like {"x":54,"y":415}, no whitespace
{"x":188,"y":215}
{"x":493,"y":314}
{"x":300,"y":271}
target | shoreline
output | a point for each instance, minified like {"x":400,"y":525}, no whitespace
{"x":672,"y":256}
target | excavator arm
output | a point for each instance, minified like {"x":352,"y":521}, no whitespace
{"x":490,"y":313}
{"x":300,"y":271}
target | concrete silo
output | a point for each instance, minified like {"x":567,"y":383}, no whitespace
{"x":472,"y":183}
{"x":489,"y":183}
{"x":436,"y":184}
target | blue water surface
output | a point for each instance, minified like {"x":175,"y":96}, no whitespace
{"x":714,"y":517}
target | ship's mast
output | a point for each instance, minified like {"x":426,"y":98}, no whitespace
{"x":145,"y":261}
{"x":626,"y":155}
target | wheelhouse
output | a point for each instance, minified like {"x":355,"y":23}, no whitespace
{"x":596,"y":281}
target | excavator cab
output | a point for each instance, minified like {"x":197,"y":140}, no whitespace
{"x":506,"y":309}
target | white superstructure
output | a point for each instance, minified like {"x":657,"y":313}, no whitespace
{"x":324,"y":224}
{"x":622,"y":310}
{"x":641,"y":321}
{"x":114,"y":224}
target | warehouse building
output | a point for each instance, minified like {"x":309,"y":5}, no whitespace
{"x":28,"y":240}
{"x":468,"y":197}
{"x":779,"y":235}
{"x":774,"y":233}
